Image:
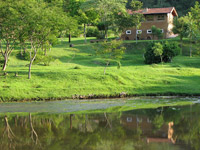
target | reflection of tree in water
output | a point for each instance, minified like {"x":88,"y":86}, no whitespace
{"x":94,"y":131}
{"x":188,"y":127}
{"x":8,"y":141}
{"x":34,"y":135}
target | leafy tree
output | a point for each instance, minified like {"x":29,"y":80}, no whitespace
{"x":87,"y":16}
{"x":181,"y":27}
{"x":154,"y":52}
{"x":195,"y":15}
{"x":192,"y":31}
{"x":156,"y":32}
{"x":111,"y":52}
{"x":107,"y":9}
{"x":44,"y":23}
{"x":158,"y":50}
{"x":124,"y":20}
{"x":10,"y":21}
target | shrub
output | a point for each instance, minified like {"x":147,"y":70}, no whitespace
{"x":92,"y":32}
{"x":77,"y":67}
{"x":170,"y":50}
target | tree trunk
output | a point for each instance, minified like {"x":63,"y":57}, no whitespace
{"x":181,"y":51}
{"x":21,"y":51}
{"x":190,"y":49}
{"x":24,"y":49}
{"x":106,"y":33}
{"x":5,"y":62}
{"x":34,"y":135}
{"x":85,"y":33}
{"x":69,"y":38}
{"x":31,"y":62}
{"x":106,"y":67}
{"x":45,"y":51}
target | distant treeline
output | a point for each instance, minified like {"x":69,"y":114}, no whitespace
{"x":182,"y":6}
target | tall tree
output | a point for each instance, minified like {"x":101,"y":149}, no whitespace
{"x":107,"y":10}
{"x":43,"y":23}
{"x":10,"y":21}
{"x":195,"y":15}
{"x":125,"y":20}
{"x":181,"y":27}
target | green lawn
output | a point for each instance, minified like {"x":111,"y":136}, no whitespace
{"x":62,"y":80}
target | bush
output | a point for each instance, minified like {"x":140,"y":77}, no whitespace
{"x":149,"y":55}
{"x":92,"y":32}
{"x":170,"y":50}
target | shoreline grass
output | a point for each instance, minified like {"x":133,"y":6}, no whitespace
{"x":78,"y":73}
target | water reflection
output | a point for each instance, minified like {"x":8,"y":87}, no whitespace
{"x":168,"y":128}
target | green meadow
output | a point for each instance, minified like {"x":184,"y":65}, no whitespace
{"x":78,"y":72}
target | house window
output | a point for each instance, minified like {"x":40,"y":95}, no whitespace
{"x":139,"y":31}
{"x":149,"y":31}
{"x":149,"y":17}
{"x":161,"y":17}
{"x":128,"y":31}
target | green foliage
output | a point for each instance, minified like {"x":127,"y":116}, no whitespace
{"x":1,"y":61}
{"x":40,"y":59}
{"x":77,"y":67}
{"x":170,"y":50}
{"x":111,"y":52}
{"x":92,"y":32}
{"x":135,"y":5}
{"x":45,"y":60}
{"x":149,"y":55}
{"x":181,"y":27}
{"x":195,"y":14}
{"x":158,"y":122}
{"x":158,"y":52}
{"x":156,"y":32}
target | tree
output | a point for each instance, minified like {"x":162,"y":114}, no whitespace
{"x":192,"y":31}
{"x":156,"y":32}
{"x":10,"y":21}
{"x":72,"y":8}
{"x":125,"y":20}
{"x":181,"y":27}
{"x":44,"y":22}
{"x":195,"y":15}
{"x":158,"y":50}
{"x":111,"y":52}
{"x":107,"y":9}
{"x":87,"y":17}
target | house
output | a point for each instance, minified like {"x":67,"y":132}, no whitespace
{"x":160,"y":17}
{"x":145,"y":124}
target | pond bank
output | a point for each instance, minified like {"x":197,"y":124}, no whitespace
{"x":102,"y":97}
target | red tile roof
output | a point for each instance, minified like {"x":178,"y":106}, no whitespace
{"x":147,"y":11}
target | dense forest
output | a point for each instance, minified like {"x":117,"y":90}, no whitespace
{"x":182,"y":6}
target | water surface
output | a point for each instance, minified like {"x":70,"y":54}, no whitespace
{"x":101,"y":125}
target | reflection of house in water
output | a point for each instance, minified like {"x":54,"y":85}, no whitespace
{"x":145,"y":124}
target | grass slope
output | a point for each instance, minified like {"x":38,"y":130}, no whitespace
{"x":62,"y":80}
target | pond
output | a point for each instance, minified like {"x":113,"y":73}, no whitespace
{"x":120,"y":124}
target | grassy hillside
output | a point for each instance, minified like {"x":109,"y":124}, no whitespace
{"x":77,"y":71}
